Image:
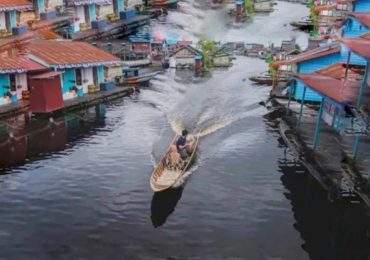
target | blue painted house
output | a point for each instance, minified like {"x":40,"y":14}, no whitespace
{"x":13,"y":78}
{"x":361,"y":6}
{"x":357,"y":24}
{"x":309,"y":62}
{"x":10,"y":16}
{"x":83,"y":65}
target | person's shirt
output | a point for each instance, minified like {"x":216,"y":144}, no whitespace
{"x":181,"y":142}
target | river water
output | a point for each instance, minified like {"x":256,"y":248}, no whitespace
{"x":80,"y":189}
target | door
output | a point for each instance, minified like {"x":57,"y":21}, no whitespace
{"x":95,"y":76}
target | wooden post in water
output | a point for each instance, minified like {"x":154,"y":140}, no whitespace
{"x":318,"y":125}
{"x":301,"y":109}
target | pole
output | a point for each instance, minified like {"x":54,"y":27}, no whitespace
{"x":363,"y":84}
{"x":318,"y":125}
{"x":356,"y":147}
{"x":289,"y":100}
{"x":301,"y":109}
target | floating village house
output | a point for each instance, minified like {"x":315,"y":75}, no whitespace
{"x":357,"y":24}
{"x":13,"y":15}
{"x":81,"y":66}
{"x":186,"y":57}
{"x":344,"y":89}
{"x":309,"y":62}
{"x":13,"y":78}
{"x":93,"y":19}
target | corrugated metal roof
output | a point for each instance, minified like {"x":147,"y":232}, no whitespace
{"x":6,"y":5}
{"x":363,"y":17}
{"x":342,"y":92}
{"x":359,"y":45}
{"x":311,"y":54}
{"x":338,"y":71}
{"x":63,"y":54}
{"x":18,"y":65}
{"x":47,"y":75}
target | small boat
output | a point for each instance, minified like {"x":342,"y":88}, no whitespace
{"x":305,"y":25}
{"x":267,"y":79}
{"x":135,"y":77}
{"x":168,"y":173}
{"x":162,"y":3}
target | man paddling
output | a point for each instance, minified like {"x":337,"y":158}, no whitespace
{"x":183,"y":146}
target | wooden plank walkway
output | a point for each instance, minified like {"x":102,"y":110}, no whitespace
{"x":328,"y":163}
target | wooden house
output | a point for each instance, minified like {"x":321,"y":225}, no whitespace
{"x":221,"y":58}
{"x":13,"y":78}
{"x":82,"y":65}
{"x":357,"y":24}
{"x":309,"y":62}
{"x":13,"y":17}
{"x":184,"y":57}
{"x":361,"y":6}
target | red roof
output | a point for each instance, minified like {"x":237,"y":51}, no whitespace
{"x":363,"y":17}
{"x":338,"y":71}
{"x":342,"y":92}
{"x":18,"y":65}
{"x":47,"y":75}
{"x":15,"y":5}
{"x":366,"y":36}
{"x":67,"y":53}
{"x":311,"y":54}
{"x":359,"y":45}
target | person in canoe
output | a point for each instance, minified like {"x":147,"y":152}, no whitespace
{"x":183,"y":145}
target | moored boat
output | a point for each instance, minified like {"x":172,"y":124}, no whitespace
{"x":171,"y":168}
{"x":134,"y":77}
{"x":303,"y":25}
{"x":162,"y":3}
{"x":267,"y":79}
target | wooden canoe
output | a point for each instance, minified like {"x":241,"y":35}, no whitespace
{"x":163,"y":177}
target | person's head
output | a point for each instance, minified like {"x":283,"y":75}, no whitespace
{"x":184,"y":132}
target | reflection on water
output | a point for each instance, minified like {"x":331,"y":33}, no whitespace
{"x":23,"y":139}
{"x":164,"y":204}
{"x":331,"y":231}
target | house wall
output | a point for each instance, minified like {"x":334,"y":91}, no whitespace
{"x":50,"y":5}
{"x":41,"y":6}
{"x":355,"y":58}
{"x":354,"y":28}
{"x":104,"y":10}
{"x":80,"y":15}
{"x":130,"y":4}
{"x":112,"y":72}
{"x":13,"y":18}
{"x":100,"y":74}
{"x":21,"y":80}
{"x":2,"y":21}
{"x":88,"y":79}
{"x":4,"y":83}
{"x":25,"y":16}
{"x":68,"y":80}
{"x":310,"y":67}
{"x":221,"y":61}
{"x":361,"y":6}
{"x":92,"y":12}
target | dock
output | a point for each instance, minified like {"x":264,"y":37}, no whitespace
{"x":330,"y":162}
{"x":78,"y":103}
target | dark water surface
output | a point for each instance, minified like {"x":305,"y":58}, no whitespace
{"x":81,"y":188}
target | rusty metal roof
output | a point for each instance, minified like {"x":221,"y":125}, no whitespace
{"x":338,"y":71}
{"x":359,"y":45}
{"x":363,"y":17}
{"x":341,"y":91}
{"x":6,"y":5}
{"x":18,"y":64}
{"x":310,"y":55}
{"x":46,"y":75}
{"x":67,"y":54}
